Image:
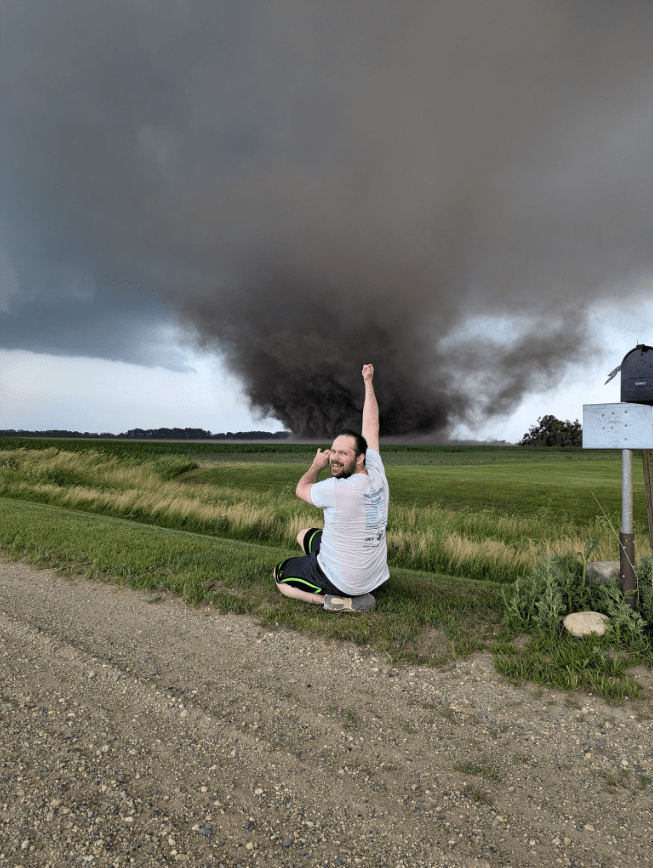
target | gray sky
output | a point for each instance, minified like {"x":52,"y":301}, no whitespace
{"x":220,"y":210}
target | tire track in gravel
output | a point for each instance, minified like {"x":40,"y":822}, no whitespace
{"x":150,"y":734}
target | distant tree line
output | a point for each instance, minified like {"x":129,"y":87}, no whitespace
{"x":550,"y":431}
{"x":157,"y":434}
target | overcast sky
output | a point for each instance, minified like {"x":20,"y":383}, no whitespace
{"x":213,"y":213}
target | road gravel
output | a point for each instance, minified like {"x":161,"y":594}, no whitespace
{"x":137,"y":731}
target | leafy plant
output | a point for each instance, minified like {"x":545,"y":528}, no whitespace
{"x":537,"y":605}
{"x":644,"y":571}
{"x":557,"y":587}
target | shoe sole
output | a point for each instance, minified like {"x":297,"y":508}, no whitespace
{"x":348,"y":604}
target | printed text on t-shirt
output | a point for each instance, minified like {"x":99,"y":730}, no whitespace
{"x":374,"y":511}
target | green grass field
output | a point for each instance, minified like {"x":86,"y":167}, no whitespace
{"x":518,"y":486}
{"x":209,"y":521}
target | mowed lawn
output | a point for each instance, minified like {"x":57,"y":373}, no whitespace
{"x":562,"y":485}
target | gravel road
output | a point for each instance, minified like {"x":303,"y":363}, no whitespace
{"x":136,"y":731}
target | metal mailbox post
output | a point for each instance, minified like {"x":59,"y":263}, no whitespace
{"x":624,"y":426}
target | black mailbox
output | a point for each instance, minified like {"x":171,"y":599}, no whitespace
{"x":637,"y":376}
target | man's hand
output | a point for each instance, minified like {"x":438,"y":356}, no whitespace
{"x":368,"y":372}
{"x":308,"y":480}
{"x":321,"y":459}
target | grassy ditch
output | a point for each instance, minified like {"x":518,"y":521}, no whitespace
{"x":419,"y":618}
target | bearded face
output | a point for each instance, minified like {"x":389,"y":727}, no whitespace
{"x":343,"y":460}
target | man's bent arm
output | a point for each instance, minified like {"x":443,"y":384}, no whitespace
{"x":308,"y":480}
{"x":370,"y":410}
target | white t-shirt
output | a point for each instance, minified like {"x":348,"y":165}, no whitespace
{"x":353,"y":552}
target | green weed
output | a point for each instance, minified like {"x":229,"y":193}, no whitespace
{"x":484,"y":771}
{"x":478,"y":795}
{"x":611,"y":781}
{"x":522,"y":758}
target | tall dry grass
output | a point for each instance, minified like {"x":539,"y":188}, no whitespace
{"x":135,"y":490}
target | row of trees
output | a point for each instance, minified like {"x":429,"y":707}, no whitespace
{"x":158,"y":434}
{"x":200,"y":434}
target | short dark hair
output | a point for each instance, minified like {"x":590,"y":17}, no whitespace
{"x":360,"y":443}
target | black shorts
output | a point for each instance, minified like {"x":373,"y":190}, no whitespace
{"x":304,"y":572}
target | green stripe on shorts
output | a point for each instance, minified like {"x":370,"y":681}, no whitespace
{"x":314,"y":588}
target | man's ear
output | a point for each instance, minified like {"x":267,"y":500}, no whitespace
{"x":360,"y":462}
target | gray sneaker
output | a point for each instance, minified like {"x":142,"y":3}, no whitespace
{"x":348,"y":604}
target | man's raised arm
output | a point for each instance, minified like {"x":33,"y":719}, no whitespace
{"x":370,"y":410}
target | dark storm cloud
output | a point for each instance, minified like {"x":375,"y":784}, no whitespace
{"x":309,"y":186}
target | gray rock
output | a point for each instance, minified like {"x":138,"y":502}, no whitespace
{"x":602,"y":571}
{"x":584,"y":623}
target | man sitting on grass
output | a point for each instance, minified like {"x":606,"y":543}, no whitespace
{"x":348,"y":559}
